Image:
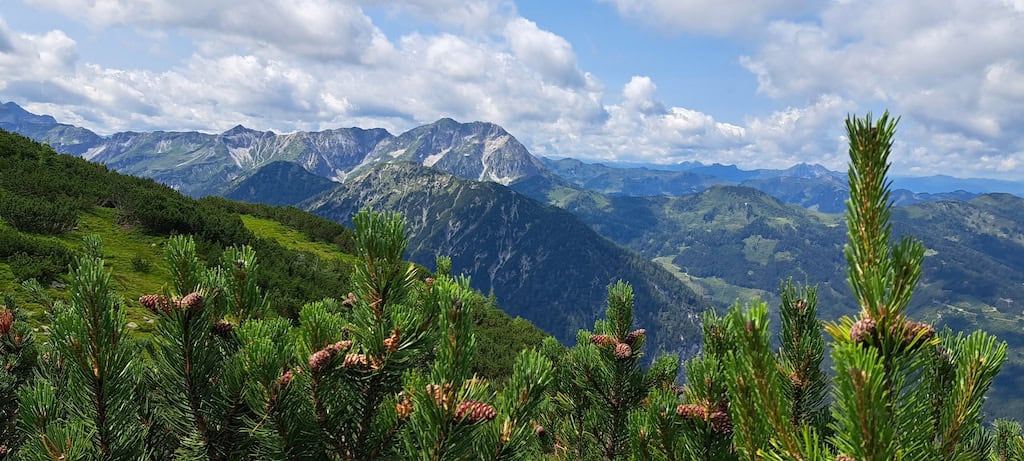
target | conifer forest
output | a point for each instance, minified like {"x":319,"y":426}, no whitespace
{"x":384,"y":369}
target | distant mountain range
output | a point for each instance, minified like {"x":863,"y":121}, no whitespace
{"x":810,"y":186}
{"x":200,"y":164}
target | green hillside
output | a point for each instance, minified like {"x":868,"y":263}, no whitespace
{"x":50,"y":202}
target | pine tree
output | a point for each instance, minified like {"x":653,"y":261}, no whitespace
{"x":197,"y":386}
{"x":17,"y":360}
{"x":603,"y":382}
{"x":89,"y":409}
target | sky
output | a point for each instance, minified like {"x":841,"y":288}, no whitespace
{"x":759,"y":84}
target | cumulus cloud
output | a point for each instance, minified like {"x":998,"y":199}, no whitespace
{"x":322,"y":29}
{"x":707,"y":16}
{"x":547,"y":53}
{"x":28,"y":57}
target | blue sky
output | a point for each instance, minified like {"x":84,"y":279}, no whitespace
{"x":758,"y":84}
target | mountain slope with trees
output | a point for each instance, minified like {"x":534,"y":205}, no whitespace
{"x":50,"y":202}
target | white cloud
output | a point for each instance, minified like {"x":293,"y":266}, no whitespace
{"x":321,"y":29}
{"x":949,"y":67}
{"x":707,"y":16}
{"x":28,"y":57}
{"x":547,"y":53}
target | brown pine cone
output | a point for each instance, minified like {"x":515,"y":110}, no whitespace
{"x":721,"y":422}
{"x":602,"y":340}
{"x":223,"y":328}
{"x":6,"y":321}
{"x":355,"y":361}
{"x":191,"y":302}
{"x":404,"y":407}
{"x":473,"y":411}
{"x":913,"y":330}
{"x":391,"y":342}
{"x":156,"y":304}
{"x":692,"y":412}
{"x":440,"y":394}
{"x":634,"y":336}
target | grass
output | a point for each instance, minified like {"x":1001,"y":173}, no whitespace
{"x":292,"y":239}
{"x":120,"y":245}
{"x":718,"y":291}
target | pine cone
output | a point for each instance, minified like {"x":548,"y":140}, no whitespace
{"x":721,"y":422}
{"x":602,"y":340}
{"x":156,"y":304}
{"x":284,"y":380}
{"x":623,"y":351}
{"x":796,"y":380}
{"x":692,"y":412}
{"x":355,"y":361}
{"x":192,"y":302}
{"x":350,"y":300}
{"x":863,"y":330}
{"x":911,"y":331}
{"x":322,"y":357}
{"x":6,"y":321}
{"x":634,"y":336}
{"x":473,"y":411}
{"x":404,"y":407}
{"x":223,"y":328}
{"x":440,"y":394}
{"x":391,"y":342}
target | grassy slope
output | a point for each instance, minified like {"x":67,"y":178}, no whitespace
{"x":120,"y":245}
{"x":292,"y":239}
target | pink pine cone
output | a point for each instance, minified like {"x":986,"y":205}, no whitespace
{"x":322,"y":357}
{"x":623,"y":351}
{"x":863,"y":330}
